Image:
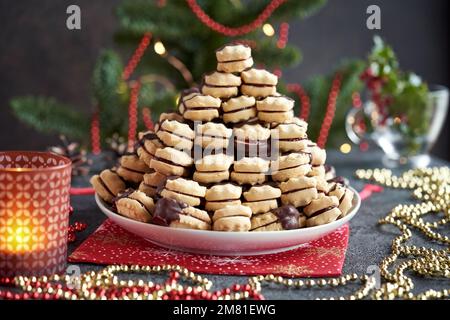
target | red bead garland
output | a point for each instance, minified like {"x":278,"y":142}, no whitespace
{"x":147,"y":118}
{"x":74,"y":228}
{"x":56,"y":288}
{"x":95,"y":134}
{"x":137,"y":55}
{"x":283,"y":37}
{"x":238,"y":31}
{"x":304,"y":99}
{"x":330,"y":112}
{"x":133,"y":114}
{"x":356,"y":100}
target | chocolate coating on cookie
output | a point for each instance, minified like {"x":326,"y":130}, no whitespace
{"x":167,"y":210}
{"x":288,"y":216}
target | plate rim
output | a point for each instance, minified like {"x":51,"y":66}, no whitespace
{"x":337,"y":223}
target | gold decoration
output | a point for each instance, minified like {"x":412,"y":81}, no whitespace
{"x":431,"y":186}
{"x":291,"y":269}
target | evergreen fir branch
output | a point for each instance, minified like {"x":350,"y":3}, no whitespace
{"x":48,"y":115}
{"x":273,"y":56}
{"x":318,"y":89}
{"x":298,"y":9}
{"x":110,"y":92}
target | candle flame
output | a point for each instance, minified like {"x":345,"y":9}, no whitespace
{"x":19,"y":236}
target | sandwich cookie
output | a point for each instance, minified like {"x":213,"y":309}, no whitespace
{"x":221,"y":85}
{"x":108,"y":184}
{"x":212,"y":136}
{"x":222,"y":195}
{"x":213,"y":168}
{"x":318,"y":158}
{"x":234,"y":58}
{"x":132,"y":168}
{"x":199,"y":107}
{"x":322,"y":184}
{"x":250,"y":171}
{"x":147,"y":145}
{"x":322,"y":210}
{"x":285,"y":217}
{"x":152,"y":181}
{"x":277,"y":109}
{"x":232,"y":218}
{"x":262,"y":198}
{"x":239,"y":109}
{"x":290,"y":136}
{"x":344,"y":195}
{"x":258,"y":83}
{"x":290,"y":166}
{"x":176,"y":134}
{"x":168,"y":116}
{"x":135,"y":205}
{"x":187,"y":191}
{"x":298,"y":191}
{"x":251,"y":141}
{"x":176,"y":214}
{"x":169,"y":161}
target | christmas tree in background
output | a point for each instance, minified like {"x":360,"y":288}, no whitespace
{"x":177,"y":40}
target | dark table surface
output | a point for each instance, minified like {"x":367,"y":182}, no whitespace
{"x":368,"y":244}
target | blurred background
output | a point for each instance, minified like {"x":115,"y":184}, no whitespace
{"x":40,"y":56}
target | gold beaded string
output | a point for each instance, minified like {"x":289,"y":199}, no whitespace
{"x":369,"y":283}
{"x":432,"y":187}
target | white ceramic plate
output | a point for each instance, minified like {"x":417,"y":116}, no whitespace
{"x":227,"y":243}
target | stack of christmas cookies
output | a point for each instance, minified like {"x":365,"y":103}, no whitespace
{"x":233,"y":157}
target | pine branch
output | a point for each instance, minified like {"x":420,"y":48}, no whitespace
{"x":318,"y":89}
{"x":50,"y":116}
{"x":110,"y":92}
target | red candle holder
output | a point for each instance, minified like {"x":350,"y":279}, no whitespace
{"x":34,"y":213}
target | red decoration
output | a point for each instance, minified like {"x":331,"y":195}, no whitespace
{"x":356,"y":100}
{"x":277,"y":72}
{"x":331,"y":109}
{"x":283,"y":37}
{"x":110,"y":244}
{"x":238,"y":31}
{"x":368,"y":189}
{"x":133,"y":114}
{"x":147,"y":118}
{"x":364,"y":146}
{"x":81,"y":191}
{"x":137,"y":55}
{"x":95,"y":134}
{"x":304,"y":99}
{"x":73,"y":229}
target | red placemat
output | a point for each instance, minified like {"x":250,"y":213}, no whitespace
{"x":111,"y":244}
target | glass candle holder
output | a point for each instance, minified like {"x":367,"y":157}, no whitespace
{"x":34,"y":213}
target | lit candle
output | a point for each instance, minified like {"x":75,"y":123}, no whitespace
{"x":34,"y":211}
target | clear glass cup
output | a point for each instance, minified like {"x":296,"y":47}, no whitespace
{"x":399,"y":148}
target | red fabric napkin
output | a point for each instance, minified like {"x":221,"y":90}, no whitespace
{"x":111,"y":244}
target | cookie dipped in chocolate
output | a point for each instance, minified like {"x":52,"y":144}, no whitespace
{"x":288,"y":215}
{"x":167,"y":210}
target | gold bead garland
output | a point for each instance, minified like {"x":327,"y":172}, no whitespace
{"x":432,"y":187}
